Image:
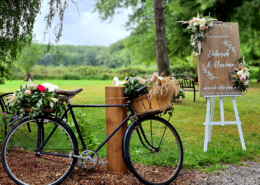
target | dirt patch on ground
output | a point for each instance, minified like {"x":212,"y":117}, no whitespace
{"x":100,"y":176}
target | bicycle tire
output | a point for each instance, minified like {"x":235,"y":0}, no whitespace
{"x":163,"y":161}
{"x":26,"y":164}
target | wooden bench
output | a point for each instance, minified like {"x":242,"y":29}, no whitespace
{"x":186,"y":84}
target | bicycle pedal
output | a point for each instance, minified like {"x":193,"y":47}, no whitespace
{"x":103,"y":163}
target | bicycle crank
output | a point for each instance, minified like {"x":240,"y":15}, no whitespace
{"x":88,"y":159}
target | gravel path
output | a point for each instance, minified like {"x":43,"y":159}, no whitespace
{"x":247,"y":174}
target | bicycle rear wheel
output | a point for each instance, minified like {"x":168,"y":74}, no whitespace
{"x":153,"y":151}
{"x":27,"y":161}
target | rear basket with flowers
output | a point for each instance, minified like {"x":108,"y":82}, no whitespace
{"x":35,"y":100}
{"x":155,"y":97}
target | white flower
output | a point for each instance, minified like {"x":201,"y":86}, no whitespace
{"x":50,"y":87}
{"x":244,"y":76}
{"x":202,"y":22}
{"x":240,"y":72}
{"x":160,"y":78}
{"x":193,"y":43}
{"x":246,"y":82}
{"x":54,"y":99}
{"x":195,"y":23}
{"x":193,"y":29}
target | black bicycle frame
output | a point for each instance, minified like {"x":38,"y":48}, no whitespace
{"x":70,"y":109}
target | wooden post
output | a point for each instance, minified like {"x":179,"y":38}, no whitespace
{"x":115,"y":116}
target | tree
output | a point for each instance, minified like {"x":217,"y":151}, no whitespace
{"x":17,"y":19}
{"x":107,"y":9}
{"x":249,"y":25}
{"x":16,"y":24}
{"x":28,"y":58}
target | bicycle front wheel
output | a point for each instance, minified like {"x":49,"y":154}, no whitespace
{"x":37,"y":151}
{"x":153,"y":151}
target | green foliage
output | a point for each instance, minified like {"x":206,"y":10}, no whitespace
{"x":3,"y":118}
{"x":70,"y":77}
{"x":29,"y":56}
{"x":181,"y":95}
{"x":84,"y":124}
{"x":254,"y":73}
{"x":5,"y":71}
{"x":17,"y":20}
{"x":132,"y":84}
{"x":184,"y":69}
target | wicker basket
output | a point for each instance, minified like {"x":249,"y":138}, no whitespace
{"x":146,"y":105}
{"x":45,"y":109}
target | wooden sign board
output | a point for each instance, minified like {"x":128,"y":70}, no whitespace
{"x":221,"y":49}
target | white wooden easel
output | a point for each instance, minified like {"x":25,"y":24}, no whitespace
{"x":209,"y":119}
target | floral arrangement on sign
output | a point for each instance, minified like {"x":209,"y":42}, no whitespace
{"x":240,"y":75}
{"x":165,"y":88}
{"x":35,"y":99}
{"x":197,"y":27}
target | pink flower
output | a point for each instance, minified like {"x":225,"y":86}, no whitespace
{"x":194,"y":19}
{"x":190,"y":22}
{"x":239,"y":67}
{"x":241,"y":78}
{"x":236,"y":69}
{"x":4,"y":112}
{"x":202,"y":27}
{"x":27,"y":92}
{"x":41,"y":88}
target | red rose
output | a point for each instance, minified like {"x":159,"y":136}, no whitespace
{"x":41,"y":88}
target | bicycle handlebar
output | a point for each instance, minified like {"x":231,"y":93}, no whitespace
{"x":140,"y":89}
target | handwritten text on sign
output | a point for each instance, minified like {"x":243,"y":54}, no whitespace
{"x":220,"y":51}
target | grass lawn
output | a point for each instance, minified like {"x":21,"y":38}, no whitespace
{"x":188,"y":118}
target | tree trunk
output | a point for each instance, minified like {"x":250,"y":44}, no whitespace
{"x":258,"y":80}
{"x":161,"y":41}
{"x":28,"y":76}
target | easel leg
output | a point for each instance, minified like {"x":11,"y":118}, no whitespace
{"x":207,"y":125}
{"x":211,"y":118}
{"x":238,"y":124}
{"x":222,"y":111}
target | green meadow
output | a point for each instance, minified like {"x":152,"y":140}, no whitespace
{"x":188,"y":118}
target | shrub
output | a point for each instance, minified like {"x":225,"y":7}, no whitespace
{"x":184,"y":69}
{"x":254,"y":73}
{"x":71,"y":77}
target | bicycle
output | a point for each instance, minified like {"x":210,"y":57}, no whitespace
{"x":44,"y":150}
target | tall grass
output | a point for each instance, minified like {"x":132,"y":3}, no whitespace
{"x":188,"y":118}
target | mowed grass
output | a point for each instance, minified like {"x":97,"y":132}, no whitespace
{"x":188,"y":118}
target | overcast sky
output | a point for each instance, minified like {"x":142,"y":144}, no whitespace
{"x":86,"y":28}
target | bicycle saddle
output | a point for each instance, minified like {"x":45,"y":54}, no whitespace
{"x":65,"y":92}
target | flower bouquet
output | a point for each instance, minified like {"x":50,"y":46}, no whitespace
{"x":240,"y":75}
{"x":35,"y":100}
{"x":196,"y":27}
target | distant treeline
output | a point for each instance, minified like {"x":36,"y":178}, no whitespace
{"x":114,"y":56}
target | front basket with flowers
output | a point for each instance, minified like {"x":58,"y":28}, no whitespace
{"x":240,"y":75}
{"x":159,"y":96}
{"x":35,"y":100}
